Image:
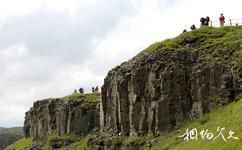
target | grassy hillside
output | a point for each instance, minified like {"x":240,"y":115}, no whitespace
{"x":220,"y":43}
{"x":76,"y":143}
{"x":229,"y":117}
{"x":21,"y":144}
{"x":13,"y":130}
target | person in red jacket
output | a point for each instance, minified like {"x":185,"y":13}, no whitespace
{"x":222,"y":20}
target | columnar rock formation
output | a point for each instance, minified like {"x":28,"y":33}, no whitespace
{"x":155,"y":92}
{"x":61,"y":117}
{"x":164,"y":85}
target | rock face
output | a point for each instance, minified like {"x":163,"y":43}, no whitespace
{"x":61,"y":117}
{"x":168,"y":83}
{"x":155,"y":92}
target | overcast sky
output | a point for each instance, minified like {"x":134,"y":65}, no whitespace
{"x":48,"y":48}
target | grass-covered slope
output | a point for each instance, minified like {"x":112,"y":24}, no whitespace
{"x":228,"y":117}
{"x":73,"y":143}
{"x":21,"y":144}
{"x":220,"y":43}
{"x":89,"y":97}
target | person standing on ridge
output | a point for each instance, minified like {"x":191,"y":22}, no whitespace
{"x":202,"y":20}
{"x":81,"y":90}
{"x":222,"y":20}
{"x":193,"y":27}
{"x":93,"y":89}
{"x":207,"y":20}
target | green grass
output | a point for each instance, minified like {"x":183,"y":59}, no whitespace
{"x":89,"y":97}
{"x":153,"y":47}
{"x":229,"y":117}
{"x":92,"y":98}
{"x":133,"y":141}
{"x":20,"y":144}
{"x":65,"y":139}
{"x":204,"y":37}
{"x":220,"y":44}
{"x":76,"y":142}
{"x":80,"y":145}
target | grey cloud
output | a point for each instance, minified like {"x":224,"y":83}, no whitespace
{"x":54,"y":41}
{"x":47,"y":33}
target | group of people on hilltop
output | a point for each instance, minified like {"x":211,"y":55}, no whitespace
{"x":205,"y":22}
{"x":94,"y":90}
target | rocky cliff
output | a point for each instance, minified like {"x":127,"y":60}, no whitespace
{"x":7,"y":138}
{"x":77,"y":114}
{"x":170,"y":82}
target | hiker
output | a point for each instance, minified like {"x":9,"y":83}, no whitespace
{"x":81,"y":90}
{"x":96,"y":89}
{"x":202,"y":20}
{"x":207,"y":20}
{"x":184,"y":30}
{"x":222,"y":20}
{"x":75,"y":91}
{"x":193,"y":27}
{"x":93,"y":89}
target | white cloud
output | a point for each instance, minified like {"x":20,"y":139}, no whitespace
{"x":22,"y":7}
{"x":50,"y":47}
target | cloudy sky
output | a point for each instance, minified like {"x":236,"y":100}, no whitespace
{"x":50,"y":47}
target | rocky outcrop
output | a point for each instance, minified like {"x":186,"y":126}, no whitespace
{"x":61,"y":117}
{"x":170,"y":82}
{"x":161,"y":90}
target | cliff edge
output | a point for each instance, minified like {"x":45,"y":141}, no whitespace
{"x":74,"y":115}
{"x":171,"y":82}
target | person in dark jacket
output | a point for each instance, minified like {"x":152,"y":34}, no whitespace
{"x":193,"y":27}
{"x":81,"y":90}
{"x":93,"y":90}
{"x":202,"y":20}
{"x":207,"y":20}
